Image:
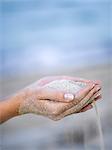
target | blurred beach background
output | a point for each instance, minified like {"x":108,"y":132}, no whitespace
{"x":56,"y":37}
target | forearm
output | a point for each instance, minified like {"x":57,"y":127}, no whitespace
{"x":9,"y":108}
{"x":37,"y":99}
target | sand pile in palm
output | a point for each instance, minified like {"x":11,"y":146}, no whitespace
{"x":66,"y":85}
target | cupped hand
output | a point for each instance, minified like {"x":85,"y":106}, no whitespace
{"x":52,"y":103}
{"x":45,"y":80}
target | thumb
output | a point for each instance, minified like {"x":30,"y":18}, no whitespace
{"x":55,"y":95}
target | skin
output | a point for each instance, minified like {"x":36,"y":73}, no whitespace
{"x":48,"y":102}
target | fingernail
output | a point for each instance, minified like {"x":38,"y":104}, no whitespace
{"x":68,"y":96}
{"x":97,"y":95}
{"x":91,"y":106}
{"x":98,"y":88}
{"x":93,"y":85}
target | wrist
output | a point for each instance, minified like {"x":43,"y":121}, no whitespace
{"x":9,"y":107}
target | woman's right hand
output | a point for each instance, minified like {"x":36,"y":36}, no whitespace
{"x":45,"y":80}
{"x":52,"y":103}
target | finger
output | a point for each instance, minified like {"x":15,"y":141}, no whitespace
{"x":98,"y":93}
{"x":72,"y":109}
{"x":82,"y":93}
{"x":79,"y":96}
{"x":93,"y":98}
{"x":98,"y":98}
{"x":88,"y":98}
{"x":89,"y":106}
{"x":68,"y":112}
{"x":84,"y":102}
{"x":55,"y":95}
{"x":45,"y":80}
{"x":77,"y":79}
{"x":97,"y":82}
